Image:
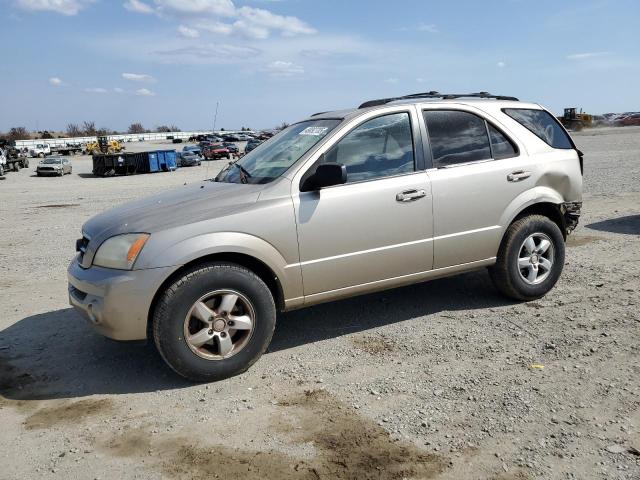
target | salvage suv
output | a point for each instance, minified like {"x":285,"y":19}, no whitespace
{"x":398,"y":191}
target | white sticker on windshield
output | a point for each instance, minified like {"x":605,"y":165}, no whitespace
{"x":314,"y":131}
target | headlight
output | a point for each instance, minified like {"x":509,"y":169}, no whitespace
{"x":121,"y":251}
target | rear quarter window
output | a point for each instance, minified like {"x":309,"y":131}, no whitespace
{"x":543,"y":125}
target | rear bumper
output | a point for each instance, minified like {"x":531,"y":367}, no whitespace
{"x":571,"y":214}
{"x":115,"y":302}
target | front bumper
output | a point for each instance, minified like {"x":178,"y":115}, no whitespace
{"x":571,"y":214}
{"x":115,"y":302}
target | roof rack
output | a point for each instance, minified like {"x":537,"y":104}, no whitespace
{"x":434,"y":94}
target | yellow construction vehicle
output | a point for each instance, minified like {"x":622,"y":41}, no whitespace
{"x":575,"y":121}
{"x":103,"y":145}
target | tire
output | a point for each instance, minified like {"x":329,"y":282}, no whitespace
{"x":171,"y":326}
{"x":507,"y":274}
{"x":25,"y":163}
{"x":41,"y":155}
{"x":16,"y":166}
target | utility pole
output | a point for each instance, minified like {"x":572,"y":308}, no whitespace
{"x":215,"y":118}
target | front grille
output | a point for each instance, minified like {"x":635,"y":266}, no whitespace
{"x":46,"y":168}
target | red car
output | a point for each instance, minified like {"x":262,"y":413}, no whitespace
{"x":215,"y":151}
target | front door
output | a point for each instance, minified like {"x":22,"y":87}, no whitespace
{"x":377,"y":226}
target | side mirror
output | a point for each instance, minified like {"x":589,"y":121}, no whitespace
{"x":326,"y":175}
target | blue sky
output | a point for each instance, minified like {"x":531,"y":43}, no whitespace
{"x":266,"y":61}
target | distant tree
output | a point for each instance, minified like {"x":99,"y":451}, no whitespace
{"x":282,"y":126}
{"x":89,"y":128}
{"x":222,"y":129}
{"x":46,"y":135}
{"x":136,"y":128}
{"x":163,"y":129}
{"x":73,"y":130}
{"x":18,"y":133}
{"x":104,"y":131}
{"x":175,"y":128}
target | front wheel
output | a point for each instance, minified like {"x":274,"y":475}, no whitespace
{"x":214,"y":322}
{"x":530,"y":258}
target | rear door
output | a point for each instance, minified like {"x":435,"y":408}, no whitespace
{"x":478,"y":170}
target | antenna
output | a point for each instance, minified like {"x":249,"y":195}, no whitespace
{"x":213,"y":132}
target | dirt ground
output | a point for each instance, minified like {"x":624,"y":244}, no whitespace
{"x":442,"y":380}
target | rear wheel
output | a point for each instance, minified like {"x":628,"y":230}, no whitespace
{"x":530,"y":259}
{"x":214,"y":322}
{"x":16,"y":166}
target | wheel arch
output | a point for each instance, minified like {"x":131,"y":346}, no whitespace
{"x":253,"y":264}
{"x":546,"y":208}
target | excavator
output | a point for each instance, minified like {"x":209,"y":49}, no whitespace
{"x":575,"y":121}
{"x":103,"y":145}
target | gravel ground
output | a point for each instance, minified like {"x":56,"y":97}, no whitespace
{"x":437,"y":380}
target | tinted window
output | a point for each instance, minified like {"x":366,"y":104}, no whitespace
{"x":500,"y":144}
{"x":456,"y":137}
{"x":380,"y":147}
{"x":542,"y":124}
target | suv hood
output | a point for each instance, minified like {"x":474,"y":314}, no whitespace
{"x":186,"y":205}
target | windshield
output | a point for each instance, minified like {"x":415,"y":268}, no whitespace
{"x":51,"y":161}
{"x":272,"y":158}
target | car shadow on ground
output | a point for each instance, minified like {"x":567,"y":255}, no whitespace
{"x":58,"y":355}
{"x":629,"y":224}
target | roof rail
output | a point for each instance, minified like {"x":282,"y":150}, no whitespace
{"x":434,"y":94}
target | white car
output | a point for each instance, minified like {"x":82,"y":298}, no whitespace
{"x":40,"y":150}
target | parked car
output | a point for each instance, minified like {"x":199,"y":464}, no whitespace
{"x":215,"y":152}
{"x":193,"y":149}
{"x":398,"y":191}
{"x":188,"y":159}
{"x":232,"y":147}
{"x":54,"y":166}
{"x":629,"y":120}
{"x":243,"y":137}
{"x":251,"y":144}
{"x":230,"y":138}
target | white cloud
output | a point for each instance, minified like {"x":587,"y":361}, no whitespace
{"x":260,"y":19}
{"x":501,"y":64}
{"x":55,"y":81}
{"x":64,"y":7}
{"x":587,"y":55}
{"x":280,"y":68}
{"x":95,"y":90}
{"x":138,"y":7}
{"x":223,"y":8}
{"x":118,"y":90}
{"x":250,"y":22}
{"x":188,"y":32}
{"x":216,"y":27}
{"x":138,"y":77}
{"x":430,"y":28}
{"x":212,"y":53}
{"x":143,"y":92}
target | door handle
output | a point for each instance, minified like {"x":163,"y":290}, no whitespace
{"x":410,"y":195}
{"x":518,"y":176}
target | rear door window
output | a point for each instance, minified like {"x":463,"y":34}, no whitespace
{"x":543,"y":125}
{"x":456,"y":137}
{"x":501,"y":146}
